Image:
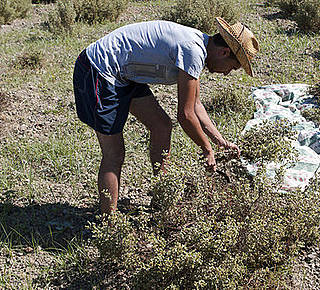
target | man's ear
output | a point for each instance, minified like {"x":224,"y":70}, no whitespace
{"x":224,"y":51}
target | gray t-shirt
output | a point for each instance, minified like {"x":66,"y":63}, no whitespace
{"x":149,"y":52}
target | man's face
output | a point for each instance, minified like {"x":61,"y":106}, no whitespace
{"x":222,"y":62}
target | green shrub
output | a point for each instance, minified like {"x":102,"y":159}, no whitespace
{"x":12,"y":9}
{"x":308,"y":16}
{"x":43,"y":1}
{"x":306,"y":13}
{"x":33,"y":59}
{"x":315,"y":90}
{"x":289,"y":7}
{"x":66,"y":13}
{"x":229,"y":101}
{"x":62,"y":19}
{"x":269,"y":141}
{"x":91,"y":11}
{"x":313,"y":114}
{"x":200,"y":14}
{"x":204,"y":234}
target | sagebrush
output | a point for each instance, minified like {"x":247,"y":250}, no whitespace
{"x":269,"y":141}
{"x":33,"y":59}
{"x":92,"y":11}
{"x":67,"y":13}
{"x":211,"y":232}
{"x":62,"y":19}
{"x":200,"y":14}
{"x":306,"y":13}
{"x":12,"y":9}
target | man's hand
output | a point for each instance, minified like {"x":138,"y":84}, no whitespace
{"x":232,"y":146}
{"x":210,"y":160}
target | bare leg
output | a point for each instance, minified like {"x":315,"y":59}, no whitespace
{"x":148,"y":111}
{"x":113,"y":153}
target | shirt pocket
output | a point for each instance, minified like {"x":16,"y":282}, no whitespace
{"x":150,"y":73}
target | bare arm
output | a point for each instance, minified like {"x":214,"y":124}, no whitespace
{"x":187,"y":117}
{"x":209,"y":127}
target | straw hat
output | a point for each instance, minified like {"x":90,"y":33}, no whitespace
{"x":241,"y":41}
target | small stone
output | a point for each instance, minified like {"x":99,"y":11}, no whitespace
{"x":28,"y":250}
{"x":312,"y":256}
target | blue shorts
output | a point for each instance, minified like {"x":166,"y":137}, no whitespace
{"x":100,"y":104}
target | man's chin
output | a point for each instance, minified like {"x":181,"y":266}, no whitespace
{"x":212,"y":70}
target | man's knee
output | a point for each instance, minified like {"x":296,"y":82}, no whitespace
{"x":112,"y":149}
{"x":163,"y":127}
{"x":112,"y":160}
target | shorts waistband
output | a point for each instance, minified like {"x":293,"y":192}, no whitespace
{"x":84,"y":60}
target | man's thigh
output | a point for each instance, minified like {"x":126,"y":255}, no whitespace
{"x":149,"y":112}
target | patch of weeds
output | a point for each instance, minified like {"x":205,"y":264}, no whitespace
{"x":43,"y":1}
{"x":306,"y":13}
{"x":228,"y":101}
{"x":74,"y":267}
{"x":200,"y":13}
{"x":69,"y":155}
{"x":12,"y":9}
{"x":52,"y":225}
{"x":62,"y":18}
{"x":268,"y":141}
{"x":3,"y":100}
{"x":204,"y":234}
{"x":33,"y":59}
{"x":99,"y":11}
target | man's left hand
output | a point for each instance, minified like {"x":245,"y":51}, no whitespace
{"x":233,"y":147}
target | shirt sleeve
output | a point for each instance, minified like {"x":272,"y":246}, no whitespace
{"x":190,"y":58}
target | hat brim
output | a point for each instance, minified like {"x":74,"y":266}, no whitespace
{"x":226,"y":32}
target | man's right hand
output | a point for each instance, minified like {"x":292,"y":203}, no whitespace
{"x":211,"y":164}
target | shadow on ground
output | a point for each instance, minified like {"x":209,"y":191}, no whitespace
{"x":46,"y":225}
{"x":316,"y":55}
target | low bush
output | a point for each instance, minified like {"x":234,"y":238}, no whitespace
{"x":289,"y":7}
{"x":200,"y":13}
{"x":67,"y":13}
{"x":43,"y":1}
{"x":269,"y":141}
{"x":62,"y":19}
{"x":308,"y":16}
{"x":205,"y":233}
{"x":229,"y":101}
{"x":313,"y":114}
{"x":12,"y":9}
{"x":306,"y":13}
{"x":33,"y":59}
{"x":315,"y":90}
{"x":92,"y":11}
